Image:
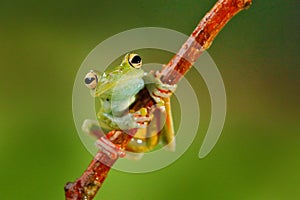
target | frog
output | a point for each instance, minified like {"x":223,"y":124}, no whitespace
{"x":116,"y":89}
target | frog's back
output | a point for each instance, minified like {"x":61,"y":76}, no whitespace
{"x":121,"y":83}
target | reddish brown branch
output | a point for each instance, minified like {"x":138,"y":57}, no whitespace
{"x":86,"y":187}
{"x":201,"y":38}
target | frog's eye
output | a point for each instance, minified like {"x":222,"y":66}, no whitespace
{"x":135,"y":61}
{"x":91,"y":80}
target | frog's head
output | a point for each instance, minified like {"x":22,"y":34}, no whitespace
{"x":129,"y":70}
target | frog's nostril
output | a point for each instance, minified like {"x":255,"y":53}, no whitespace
{"x":88,"y":80}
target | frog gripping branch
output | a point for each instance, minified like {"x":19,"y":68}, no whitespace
{"x":113,"y":144}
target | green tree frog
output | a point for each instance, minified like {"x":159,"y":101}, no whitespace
{"x":116,"y":89}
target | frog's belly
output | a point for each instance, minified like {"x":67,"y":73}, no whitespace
{"x":142,"y":144}
{"x":147,"y":138}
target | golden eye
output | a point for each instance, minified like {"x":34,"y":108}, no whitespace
{"x":135,"y":60}
{"x":91,"y":80}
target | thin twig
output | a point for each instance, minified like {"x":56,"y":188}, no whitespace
{"x":86,"y":187}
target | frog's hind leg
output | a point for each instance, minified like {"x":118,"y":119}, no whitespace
{"x":168,"y":136}
{"x":161,"y":94}
{"x":91,"y":127}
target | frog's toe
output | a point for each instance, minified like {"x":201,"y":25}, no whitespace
{"x":130,"y":120}
{"x":141,"y":121}
{"x":164,"y":90}
{"x":87,"y":124}
{"x":92,"y":127}
{"x":171,"y":146}
{"x":140,"y":125}
{"x":157,"y":88}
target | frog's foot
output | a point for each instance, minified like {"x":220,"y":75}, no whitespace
{"x":114,"y":151}
{"x":109,"y":148}
{"x":162,"y":89}
{"x":142,"y":117}
{"x":91,"y":127}
{"x":130,"y":120}
{"x":159,"y":90}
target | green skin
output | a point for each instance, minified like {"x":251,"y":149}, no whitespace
{"x":114,"y":92}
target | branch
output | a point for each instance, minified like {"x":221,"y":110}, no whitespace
{"x":86,"y":187}
{"x":201,"y":38}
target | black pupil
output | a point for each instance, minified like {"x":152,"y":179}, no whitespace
{"x":136,"y":60}
{"x":88,"y":80}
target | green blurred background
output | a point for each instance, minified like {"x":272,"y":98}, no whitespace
{"x":42,"y":45}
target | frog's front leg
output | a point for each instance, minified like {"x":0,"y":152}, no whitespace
{"x":138,"y":119}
